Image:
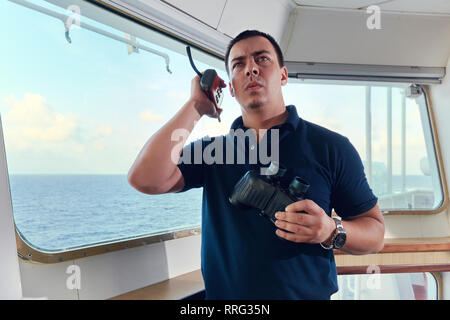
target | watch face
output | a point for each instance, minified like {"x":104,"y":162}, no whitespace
{"x":340,"y":240}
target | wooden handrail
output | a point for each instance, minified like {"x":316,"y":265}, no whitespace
{"x":409,"y":268}
{"x":412,"y":245}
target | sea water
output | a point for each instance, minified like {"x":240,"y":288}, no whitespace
{"x":61,"y":212}
{"x":57,"y":212}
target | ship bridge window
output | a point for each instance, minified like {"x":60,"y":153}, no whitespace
{"x":390,"y":127}
{"x":75,"y":116}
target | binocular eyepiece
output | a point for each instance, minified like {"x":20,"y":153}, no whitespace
{"x":297,"y":188}
{"x":275,"y":171}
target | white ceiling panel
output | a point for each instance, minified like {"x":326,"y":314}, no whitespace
{"x":207,"y":11}
{"x":344,"y":4}
{"x":264,"y":15}
{"x":419,"y":6}
{"x":330,"y":36}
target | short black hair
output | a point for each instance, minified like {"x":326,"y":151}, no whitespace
{"x":254,"y":33}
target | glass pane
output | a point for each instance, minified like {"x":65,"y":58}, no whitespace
{"x":390,"y":130}
{"x":399,"y":286}
{"x":75,"y":116}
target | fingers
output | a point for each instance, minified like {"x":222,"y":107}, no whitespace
{"x":299,"y":226}
{"x":296,"y":217}
{"x":207,"y":106}
{"x":196,"y":79}
{"x":306,"y":222}
{"x":216,"y":112}
{"x":303,"y":220}
{"x":293,"y":227}
{"x":307,"y":206}
{"x":294,"y":237}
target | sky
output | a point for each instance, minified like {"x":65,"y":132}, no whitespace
{"x":89,"y":107}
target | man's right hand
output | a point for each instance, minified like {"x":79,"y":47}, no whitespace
{"x":201,"y":102}
{"x":154,"y":171}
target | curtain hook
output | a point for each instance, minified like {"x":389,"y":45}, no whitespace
{"x":67,"y":33}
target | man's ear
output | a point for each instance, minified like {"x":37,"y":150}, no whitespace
{"x":230,"y":86}
{"x":284,"y":76}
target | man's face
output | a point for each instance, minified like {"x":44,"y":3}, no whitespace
{"x":255,"y":74}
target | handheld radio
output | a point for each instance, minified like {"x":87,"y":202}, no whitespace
{"x":210,"y":84}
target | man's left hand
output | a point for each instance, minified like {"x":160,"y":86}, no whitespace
{"x":307,"y":221}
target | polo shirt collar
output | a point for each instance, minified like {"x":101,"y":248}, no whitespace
{"x":291,"y":121}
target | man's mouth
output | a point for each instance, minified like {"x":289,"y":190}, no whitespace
{"x":254,"y":85}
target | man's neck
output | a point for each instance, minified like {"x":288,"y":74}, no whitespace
{"x":264,"y":118}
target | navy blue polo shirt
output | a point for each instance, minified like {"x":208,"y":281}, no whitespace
{"x":242,"y":257}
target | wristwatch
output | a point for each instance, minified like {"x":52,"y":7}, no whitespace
{"x":338,"y":239}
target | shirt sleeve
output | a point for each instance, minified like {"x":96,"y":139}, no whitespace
{"x":192,"y":166}
{"x":351,"y":193}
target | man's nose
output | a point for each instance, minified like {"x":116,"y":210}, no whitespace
{"x":252,"y":70}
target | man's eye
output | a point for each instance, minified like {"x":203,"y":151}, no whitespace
{"x":236,"y":65}
{"x":263,"y":58}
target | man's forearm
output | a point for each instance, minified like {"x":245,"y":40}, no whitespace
{"x":365,"y":235}
{"x":154,"y":164}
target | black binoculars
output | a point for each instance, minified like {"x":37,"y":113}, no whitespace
{"x":266,"y":192}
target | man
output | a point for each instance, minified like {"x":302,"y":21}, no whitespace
{"x":245,"y":256}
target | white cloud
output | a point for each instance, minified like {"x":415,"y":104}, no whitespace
{"x":41,"y":139}
{"x":149,"y":116}
{"x":32,"y":120}
{"x":154,"y":86}
{"x":177,"y":97}
{"x":103,"y":131}
{"x":98,"y":146}
{"x":80,"y":149}
{"x":414,"y":117}
{"x":214,"y":128}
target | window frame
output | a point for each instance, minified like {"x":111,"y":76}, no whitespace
{"x":435,"y":141}
{"x":439,"y":163}
{"x":434,"y":272}
{"x":29,"y":253}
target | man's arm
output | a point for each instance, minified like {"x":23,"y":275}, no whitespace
{"x":309,"y":223}
{"x":365,"y":232}
{"x":155,"y":169}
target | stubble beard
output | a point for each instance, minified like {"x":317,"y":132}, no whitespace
{"x":255,"y":104}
